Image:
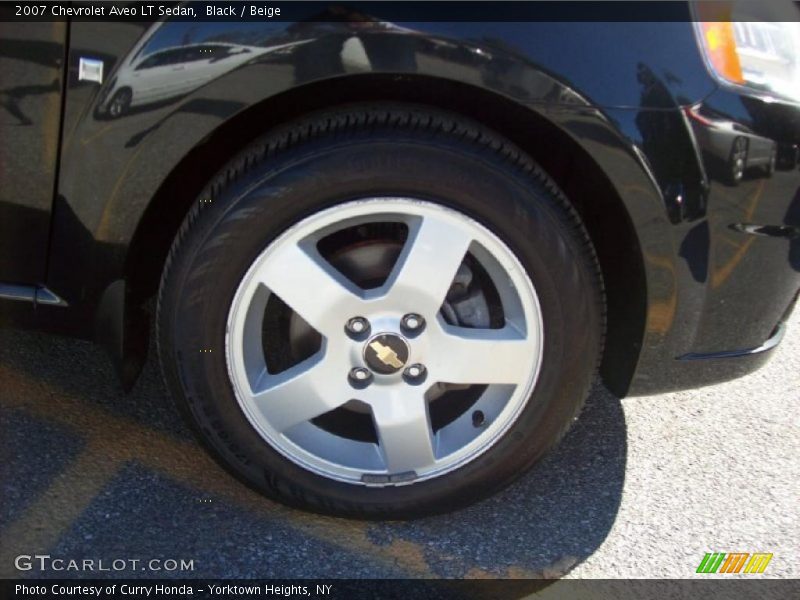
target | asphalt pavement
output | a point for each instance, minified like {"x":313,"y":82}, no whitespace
{"x":639,"y":488}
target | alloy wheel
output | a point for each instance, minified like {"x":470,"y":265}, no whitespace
{"x":384,"y":341}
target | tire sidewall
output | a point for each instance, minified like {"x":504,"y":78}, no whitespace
{"x":244,"y":218}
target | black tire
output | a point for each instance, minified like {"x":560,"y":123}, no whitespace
{"x":737,"y":163}
{"x":336,"y":156}
{"x":120,"y":103}
{"x":772,"y":164}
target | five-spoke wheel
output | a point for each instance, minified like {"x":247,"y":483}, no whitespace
{"x":399,"y":370}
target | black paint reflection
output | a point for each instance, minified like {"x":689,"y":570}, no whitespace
{"x":162,"y":68}
{"x":11,"y":99}
{"x":792,"y":221}
{"x":669,"y":148}
{"x":173,"y":60}
{"x":31,"y":62}
{"x":694,"y":249}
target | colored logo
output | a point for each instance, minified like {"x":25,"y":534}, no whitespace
{"x":386,"y":353}
{"x":734,"y":562}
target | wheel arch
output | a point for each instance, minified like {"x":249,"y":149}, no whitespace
{"x":559,"y":151}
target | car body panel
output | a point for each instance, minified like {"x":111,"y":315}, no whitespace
{"x":31,"y":83}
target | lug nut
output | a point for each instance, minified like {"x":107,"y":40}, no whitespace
{"x":357,"y":326}
{"x":413,"y":322}
{"x":359,"y":376}
{"x":415,"y":373}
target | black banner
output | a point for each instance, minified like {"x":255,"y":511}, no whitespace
{"x":545,"y":11}
{"x":390,"y":589}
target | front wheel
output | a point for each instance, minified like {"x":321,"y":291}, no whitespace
{"x":381,"y":313}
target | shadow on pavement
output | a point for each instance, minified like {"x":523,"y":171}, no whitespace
{"x":88,"y":471}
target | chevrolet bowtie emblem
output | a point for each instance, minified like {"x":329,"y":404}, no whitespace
{"x":386,"y":355}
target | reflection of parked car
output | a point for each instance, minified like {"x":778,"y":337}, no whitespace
{"x":731,"y":148}
{"x":172,"y":72}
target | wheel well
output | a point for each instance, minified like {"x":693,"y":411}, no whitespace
{"x":581,"y":179}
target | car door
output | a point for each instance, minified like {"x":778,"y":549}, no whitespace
{"x":32,"y":58}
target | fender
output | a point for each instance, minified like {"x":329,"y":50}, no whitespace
{"x":170,"y":89}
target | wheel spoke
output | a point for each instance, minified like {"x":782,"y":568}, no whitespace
{"x":310,"y":286}
{"x":428,"y":263}
{"x":299,"y":394}
{"x":482,"y":356}
{"x":404,"y":431}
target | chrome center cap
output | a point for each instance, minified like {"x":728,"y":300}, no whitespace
{"x":386,"y":353}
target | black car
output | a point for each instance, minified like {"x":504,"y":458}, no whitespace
{"x":384,"y":260}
